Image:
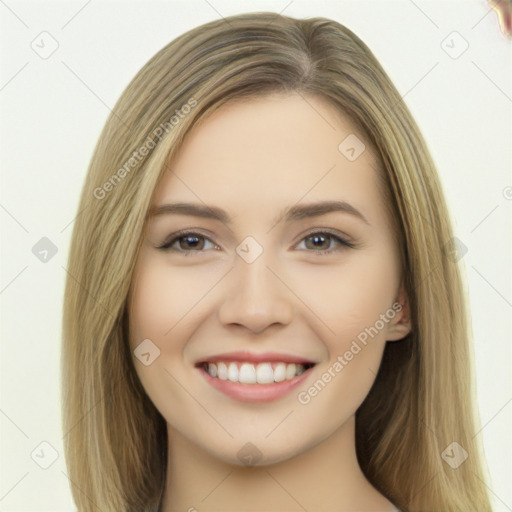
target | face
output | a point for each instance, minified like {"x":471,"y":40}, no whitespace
{"x":271,"y":306}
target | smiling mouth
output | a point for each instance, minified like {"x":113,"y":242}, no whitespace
{"x":250,"y":374}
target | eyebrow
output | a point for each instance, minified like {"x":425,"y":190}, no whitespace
{"x":289,"y":214}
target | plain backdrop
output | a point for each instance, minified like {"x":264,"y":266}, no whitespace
{"x":53,"y":108}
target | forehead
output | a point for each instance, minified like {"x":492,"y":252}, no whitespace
{"x":262,"y":154}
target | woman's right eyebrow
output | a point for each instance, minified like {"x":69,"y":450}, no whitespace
{"x":289,"y":214}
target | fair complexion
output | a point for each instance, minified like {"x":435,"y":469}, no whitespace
{"x":254,"y":159}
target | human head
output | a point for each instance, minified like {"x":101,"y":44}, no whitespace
{"x":240,"y":58}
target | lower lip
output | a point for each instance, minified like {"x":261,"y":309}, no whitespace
{"x":256,"y":392}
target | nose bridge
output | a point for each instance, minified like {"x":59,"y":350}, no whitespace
{"x":257,"y":297}
{"x":253,"y":276}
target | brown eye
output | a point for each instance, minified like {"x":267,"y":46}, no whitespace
{"x":187,"y":243}
{"x":320,"y":242}
{"x":192,"y":241}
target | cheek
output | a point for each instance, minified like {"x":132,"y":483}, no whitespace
{"x":166,"y":308}
{"x":354,"y":302}
{"x":147,"y":313}
{"x":162,"y":298}
{"x":350,"y":296}
{"x":353,"y":310}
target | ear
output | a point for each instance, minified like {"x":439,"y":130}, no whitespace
{"x":400,"y":325}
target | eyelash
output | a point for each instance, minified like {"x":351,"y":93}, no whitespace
{"x":167,"y":246}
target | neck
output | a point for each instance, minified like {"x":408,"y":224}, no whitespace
{"x":326,"y":476}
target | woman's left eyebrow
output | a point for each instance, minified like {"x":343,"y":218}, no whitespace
{"x":290,"y":214}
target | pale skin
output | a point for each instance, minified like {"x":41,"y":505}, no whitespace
{"x":253,"y":159}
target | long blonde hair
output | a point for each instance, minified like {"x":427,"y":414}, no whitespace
{"x":422,"y":400}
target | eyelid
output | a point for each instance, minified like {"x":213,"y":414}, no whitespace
{"x":342,"y":239}
{"x":173,"y":238}
{"x":328,"y":231}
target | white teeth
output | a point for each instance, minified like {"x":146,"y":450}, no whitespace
{"x":248,"y":373}
{"x":290,"y":371}
{"x":212,"y":370}
{"x":233,"y":372}
{"x":280,"y":372}
{"x":222,"y":371}
{"x":264,"y":373}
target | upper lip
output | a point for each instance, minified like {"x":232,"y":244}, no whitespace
{"x":254,"y":357}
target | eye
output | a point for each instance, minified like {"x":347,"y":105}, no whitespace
{"x":319,"y":240}
{"x":189,"y":242}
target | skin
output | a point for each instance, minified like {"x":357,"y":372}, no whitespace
{"x":253,"y":158}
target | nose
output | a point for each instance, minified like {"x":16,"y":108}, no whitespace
{"x":257,"y":297}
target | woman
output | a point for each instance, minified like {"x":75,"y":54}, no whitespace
{"x":213,"y":357}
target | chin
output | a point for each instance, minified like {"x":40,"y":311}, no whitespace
{"x":254,"y":454}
